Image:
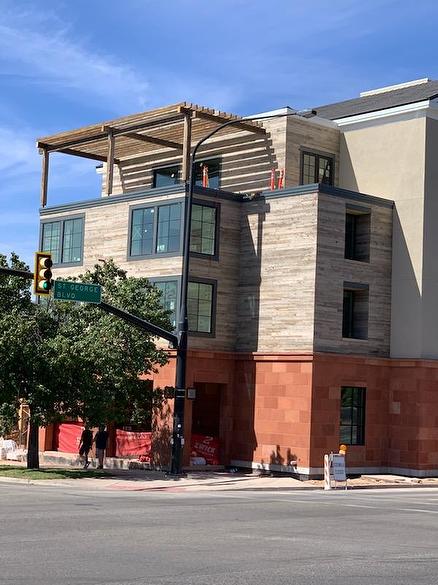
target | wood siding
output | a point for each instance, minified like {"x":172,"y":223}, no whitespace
{"x":277,"y":274}
{"x":332,"y":270}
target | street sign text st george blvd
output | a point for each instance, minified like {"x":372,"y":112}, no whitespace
{"x":77,"y":291}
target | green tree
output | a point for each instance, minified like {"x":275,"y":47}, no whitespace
{"x":103,"y":360}
{"x":73,"y":360}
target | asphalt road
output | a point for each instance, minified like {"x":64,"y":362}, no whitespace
{"x":54,"y":536}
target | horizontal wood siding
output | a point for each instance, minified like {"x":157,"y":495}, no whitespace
{"x":277,"y":274}
{"x":332,"y":270}
{"x":246,"y":163}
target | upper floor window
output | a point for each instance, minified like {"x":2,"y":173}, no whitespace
{"x":166,"y":176}
{"x":64,"y":240}
{"x":207,"y":173}
{"x":355,"y":311}
{"x":316,"y":168}
{"x":155,"y":230}
{"x":352,"y":428}
{"x":203,"y":229}
{"x":357,"y":235}
{"x":169,"y":297}
{"x":200,"y":307}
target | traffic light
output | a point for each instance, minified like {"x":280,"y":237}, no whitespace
{"x":42,"y":279}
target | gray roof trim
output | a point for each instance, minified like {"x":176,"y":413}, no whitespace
{"x":379,"y":101}
{"x":219,"y":194}
{"x":328,"y":190}
{"x":138,"y":196}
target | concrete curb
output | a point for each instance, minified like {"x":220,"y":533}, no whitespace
{"x":147,"y":486}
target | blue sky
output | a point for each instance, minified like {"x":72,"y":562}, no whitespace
{"x":67,"y":64}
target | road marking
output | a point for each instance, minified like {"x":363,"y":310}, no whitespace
{"x":361,"y":506}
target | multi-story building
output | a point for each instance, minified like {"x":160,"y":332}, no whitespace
{"x":312,"y":304}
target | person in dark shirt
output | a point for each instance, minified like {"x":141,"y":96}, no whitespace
{"x":101,"y":439}
{"x":85,"y":445}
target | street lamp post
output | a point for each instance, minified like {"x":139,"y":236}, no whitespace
{"x":183,"y":324}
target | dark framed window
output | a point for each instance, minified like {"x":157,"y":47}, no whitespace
{"x":166,"y":176}
{"x":155,"y":230}
{"x":64,"y":239}
{"x":357,"y":235}
{"x":169,"y":297}
{"x":316,"y":168}
{"x":352,"y":428}
{"x":169,"y":228}
{"x":204,"y":228}
{"x":355,"y":311}
{"x":200,"y":307}
{"x":208,"y":171}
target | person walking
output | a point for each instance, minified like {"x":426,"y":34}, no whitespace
{"x":101,"y":439}
{"x":85,"y":445}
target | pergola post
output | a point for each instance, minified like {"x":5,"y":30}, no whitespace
{"x":110,"y":162}
{"x":44,"y":175}
{"x":187,"y":143}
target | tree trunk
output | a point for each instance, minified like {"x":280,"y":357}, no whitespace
{"x":33,"y":457}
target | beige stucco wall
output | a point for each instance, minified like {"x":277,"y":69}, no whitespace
{"x":430,"y":243}
{"x":387,"y":159}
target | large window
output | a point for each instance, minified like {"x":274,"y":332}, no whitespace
{"x":155,"y":230}
{"x":169,"y":297}
{"x":316,"y":168}
{"x":204,"y":226}
{"x":357,"y":235}
{"x":355,"y":311}
{"x":64,"y":240}
{"x":166,"y":176}
{"x":200,"y":307}
{"x":207,"y":173}
{"x":352,"y":430}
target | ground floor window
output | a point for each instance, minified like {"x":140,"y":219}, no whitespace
{"x":352,"y":431}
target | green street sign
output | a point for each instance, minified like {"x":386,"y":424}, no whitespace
{"x":77,"y":291}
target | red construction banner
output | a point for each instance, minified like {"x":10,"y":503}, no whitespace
{"x":133,"y":443}
{"x":207,"y":447}
{"x":68,"y":436}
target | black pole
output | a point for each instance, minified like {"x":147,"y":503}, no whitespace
{"x":183,"y":325}
{"x":13,"y":272}
{"x":140,"y":323}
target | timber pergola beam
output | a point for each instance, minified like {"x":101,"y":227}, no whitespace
{"x":154,"y":140}
{"x":124,"y":140}
{"x":220,"y":118}
{"x":74,"y":152}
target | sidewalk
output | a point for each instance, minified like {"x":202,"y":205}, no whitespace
{"x":199,"y":481}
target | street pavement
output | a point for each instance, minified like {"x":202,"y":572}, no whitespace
{"x":90,"y":536}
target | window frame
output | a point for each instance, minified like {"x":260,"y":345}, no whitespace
{"x":317,"y":154}
{"x":62,"y":220}
{"x":155,"y":205}
{"x":205,"y":160}
{"x":217,"y":206}
{"x":171,"y":278}
{"x":213,"y":283}
{"x":359,"y":403}
{"x":363,"y":212}
{"x":354,"y":287}
{"x":169,"y":166}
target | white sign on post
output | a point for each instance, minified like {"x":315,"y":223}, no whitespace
{"x":338,"y":467}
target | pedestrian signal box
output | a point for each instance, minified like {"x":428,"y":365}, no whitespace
{"x":42,"y":279}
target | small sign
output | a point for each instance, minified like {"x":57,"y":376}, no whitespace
{"x":191,"y":393}
{"x":77,"y":291}
{"x":338,"y":467}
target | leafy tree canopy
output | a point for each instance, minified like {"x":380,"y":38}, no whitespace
{"x":73,"y":360}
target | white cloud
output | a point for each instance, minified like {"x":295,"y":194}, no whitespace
{"x":43,"y":52}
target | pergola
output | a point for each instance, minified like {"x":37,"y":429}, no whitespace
{"x":120,"y":141}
